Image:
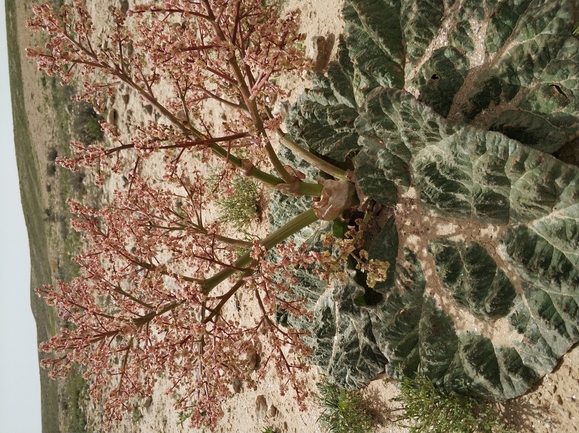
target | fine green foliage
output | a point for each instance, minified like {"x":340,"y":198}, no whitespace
{"x":447,"y":108}
{"x":427,"y":409}
{"x":344,"y":411}
{"x":183,"y":416}
{"x":241,"y":205}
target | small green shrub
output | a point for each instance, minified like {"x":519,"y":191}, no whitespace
{"x":76,"y":180}
{"x":183,"y":416}
{"x":87,"y":128}
{"x":53,"y":154}
{"x":137,"y":415}
{"x":427,"y":408}
{"x":51,"y":169}
{"x":240,"y":207}
{"x":344,"y":411}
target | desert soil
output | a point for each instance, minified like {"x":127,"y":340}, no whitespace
{"x":551,"y":407}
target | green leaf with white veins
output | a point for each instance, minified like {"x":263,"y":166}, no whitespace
{"x":508,"y":66}
{"x":448,"y":108}
{"x":497,"y":230}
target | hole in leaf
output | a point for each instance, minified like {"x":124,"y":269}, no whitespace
{"x":558,"y":89}
{"x":435,"y":77}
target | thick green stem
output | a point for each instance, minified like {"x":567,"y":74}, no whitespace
{"x":311,"y":189}
{"x":255,"y":172}
{"x":316,"y":161}
{"x":302,"y":220}
{"x":295,"y":187}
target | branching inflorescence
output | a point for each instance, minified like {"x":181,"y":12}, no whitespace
{"x":146,"y":302}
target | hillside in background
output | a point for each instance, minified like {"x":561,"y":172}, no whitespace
{"x":43,"y":116}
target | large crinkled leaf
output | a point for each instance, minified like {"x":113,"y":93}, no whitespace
{"x":510,"y":66}
{"x":430,"y":323}
{"x":510,"y":260}
{"x":451,"y":104}
{"x":323,"y":118}
{"x":462,"y":171}
{"x":473,"y":278}
{"x":343,"y":339}
{"x":328,"y":129}
{"x":375,"y":44}
{"x":505,"y":66}
{"x":341,"y":334}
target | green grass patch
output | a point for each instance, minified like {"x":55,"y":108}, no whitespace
{"x":344,"y":411}
{"x":428,"y":409}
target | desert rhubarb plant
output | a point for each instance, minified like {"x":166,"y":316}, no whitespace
{"x":420,"y":221}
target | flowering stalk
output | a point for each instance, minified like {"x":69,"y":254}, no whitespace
{"x":303,"y":220}
{"x":71,"y":48}
{"x":249,"y":103}
{"x":131,"y":302}
{"x":149,"y":300}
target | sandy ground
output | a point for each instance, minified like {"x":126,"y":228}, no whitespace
{"x":551,"y":407}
